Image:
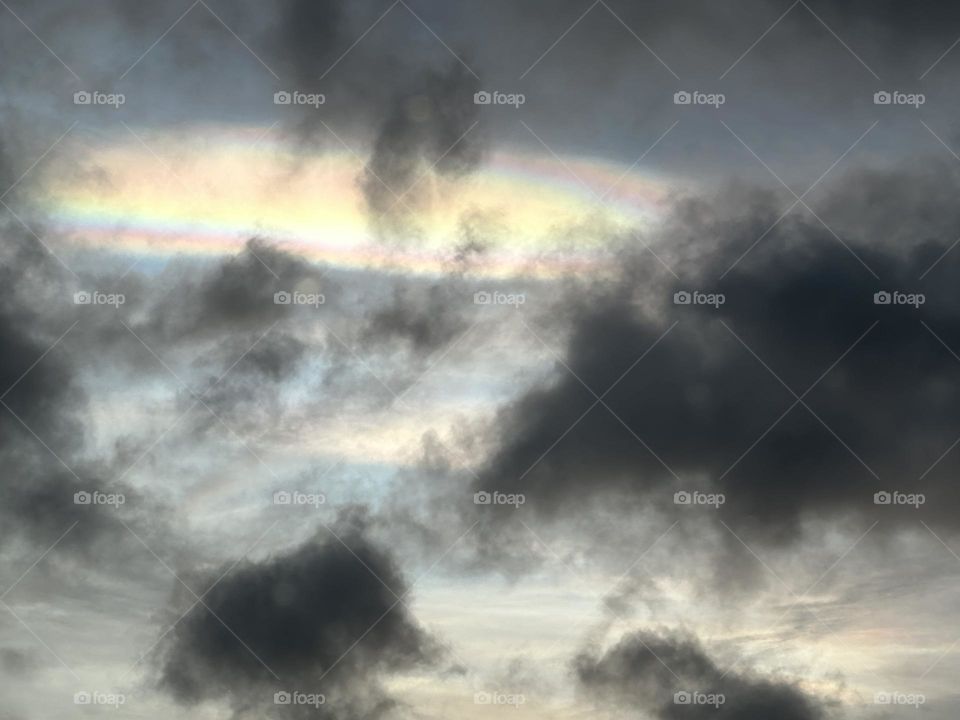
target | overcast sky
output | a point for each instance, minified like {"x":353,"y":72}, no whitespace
{"x":430,"y":359}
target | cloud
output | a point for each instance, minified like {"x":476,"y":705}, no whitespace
{"x":649,"y":669}
{"x":236,"y":294}
{"x":322,"y":618}
{"x":428,"y":129}
{"x":17,"y":663}
{"x":41,"y":417}
{"x":426,"y":319}
{"x":308,"y":36}
{"x":710,"y":403}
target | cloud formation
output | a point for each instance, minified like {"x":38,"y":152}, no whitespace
{"x":672,"y":678}
{"x":322,"y":618}
{"x":760,"y":397}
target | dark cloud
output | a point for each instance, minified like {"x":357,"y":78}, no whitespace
{"x":427,"y":130}
{"x":236,"y":294}
{"x":647,"y":670}
{"x":319,"y":619}
{"x":308,"y":36}
{"x":897,"y":25}
{"x":700,"y":412}
{"x":426,"y":319}
{"x":41,"y":415}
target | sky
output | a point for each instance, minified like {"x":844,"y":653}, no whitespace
{"x":429,"y":359}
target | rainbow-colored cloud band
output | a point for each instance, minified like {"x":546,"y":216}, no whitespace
{"x":534,"y":215}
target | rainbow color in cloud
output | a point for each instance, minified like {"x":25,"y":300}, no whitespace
{"x":534,"y":215}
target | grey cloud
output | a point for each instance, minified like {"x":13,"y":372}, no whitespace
{"x":647,"y":669}
{"x":42,"y":418}
{"x":429,"y":128}
{"x":426,"y":319}
{"x":237,"y":294}
{"x":303,"y":614}
{"x":707,"y":413}
{"x":308,"y":36}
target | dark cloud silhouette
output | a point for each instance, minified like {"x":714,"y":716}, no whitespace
{"x":428,"y":129}
{"x":648,"y":670}
{"x":319,"y":619}
{"x":698,"y":409}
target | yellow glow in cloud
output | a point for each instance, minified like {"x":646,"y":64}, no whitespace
{"x":212,"y":193}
